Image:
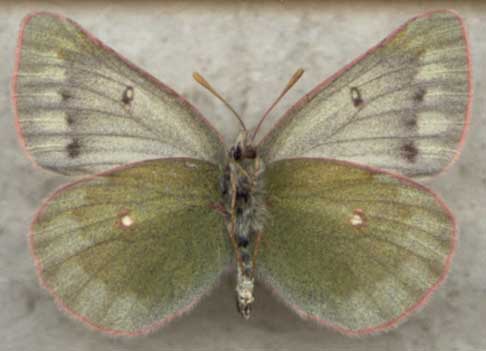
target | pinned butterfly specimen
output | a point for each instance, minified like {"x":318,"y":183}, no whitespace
{"x":322,"y":209}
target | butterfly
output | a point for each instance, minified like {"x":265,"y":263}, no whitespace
{"x":323,"y":209}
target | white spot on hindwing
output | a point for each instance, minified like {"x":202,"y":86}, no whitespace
{"x":126,"y":221}
{"x":358,"y":218}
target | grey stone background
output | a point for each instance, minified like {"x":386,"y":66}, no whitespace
{"x":248,"y":51}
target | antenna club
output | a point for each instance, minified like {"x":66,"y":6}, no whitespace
{"x":294,"y":79}
{"x":200,"y":79}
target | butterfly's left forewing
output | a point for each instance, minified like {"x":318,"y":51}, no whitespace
{"x":350,"y":246}
{"x":130,"y":249}
{"x":403,"y":106}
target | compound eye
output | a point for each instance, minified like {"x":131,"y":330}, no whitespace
{"x":235,"y":153}
{"x":250,"y":152}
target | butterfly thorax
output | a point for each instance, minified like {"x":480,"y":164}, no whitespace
{"x":244,"y":205}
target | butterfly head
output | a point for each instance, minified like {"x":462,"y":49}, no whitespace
{"x":243,"y":148}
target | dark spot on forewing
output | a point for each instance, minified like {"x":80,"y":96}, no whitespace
{"x":128,"y":95}
{"x":65,"y":95}
{"x":419,"y":95}
{"x":69,"y":119}
{"x":409,"y":152}
{"x":356,"y":97}
{"x":411,"y":121}
{"x":74,"y":148}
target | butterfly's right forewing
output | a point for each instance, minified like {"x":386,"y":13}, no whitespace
{"x":81,"y":108}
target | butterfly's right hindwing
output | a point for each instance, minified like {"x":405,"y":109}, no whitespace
{"x":130,"y":249}
{"x":82,"y":109}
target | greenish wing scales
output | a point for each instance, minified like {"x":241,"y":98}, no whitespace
{"x":81,"y":108}
{"x":128,"y":250}
{"x":403,"y":106}
{"x":350,"y":246}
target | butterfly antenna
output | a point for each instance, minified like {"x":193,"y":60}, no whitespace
{"x":198,"y":78}
{"x":289,"y":85}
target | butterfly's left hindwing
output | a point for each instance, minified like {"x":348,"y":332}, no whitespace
{"x":352,"y":247}
{"x":81,"y":108}
{"x":130,"y":249}
{"x":403,"y":106}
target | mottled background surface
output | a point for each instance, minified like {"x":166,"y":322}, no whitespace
{"x":247,"y":51}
